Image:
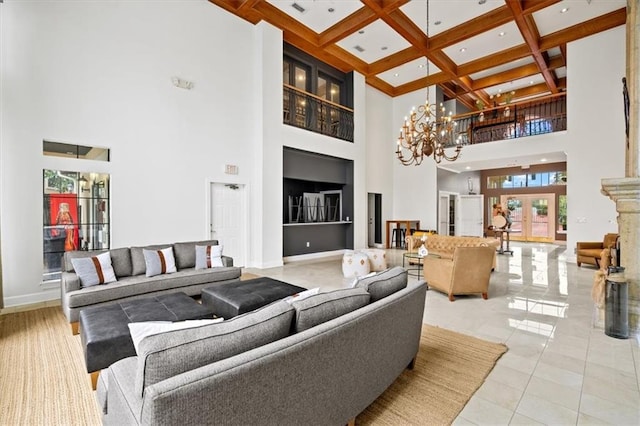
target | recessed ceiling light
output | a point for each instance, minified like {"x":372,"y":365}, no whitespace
{"x":463,"y":49}
{"x":564,"y":10}
{"x":543,"y":159}
{"x":421,"y":66}
{"x":396,"y":74}
{"x":531,"y":82}
{"x":331,"y":10}
{"x":501,"y":34}
{"x":468,"y":168}
{"x":437,"y":23}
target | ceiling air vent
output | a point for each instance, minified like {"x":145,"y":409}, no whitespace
{"x":299,"y":8}
{"x":359,"y":48}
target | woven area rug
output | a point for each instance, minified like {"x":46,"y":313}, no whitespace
{"x":449,"y":368}
{"x":43,"y":380}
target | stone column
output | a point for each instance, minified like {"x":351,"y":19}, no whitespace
{"x":626,"y":191}
{"x":626,"y":194}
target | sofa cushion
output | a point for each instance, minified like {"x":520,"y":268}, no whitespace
{"x":168,"y":354}
{"x":384,"y":283}
{"x":185,"y":252}
{"x":140,"y":330}
{"x":138,"y":265}
{"x":94,"y":270}
{"x":208,"y":257}
{"x":69,"y":255}
{"x":121,"y":261}
{"x":159,"y":262}
{"x":323,"y":307}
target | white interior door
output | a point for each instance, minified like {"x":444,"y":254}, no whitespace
{"x":443,"y":212}
{"x":470,"y":218}
{"x":228,"y":219}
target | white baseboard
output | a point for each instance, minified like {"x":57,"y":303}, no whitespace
{"x":31,"y":299}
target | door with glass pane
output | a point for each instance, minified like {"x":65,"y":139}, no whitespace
{"x":532,"y":216}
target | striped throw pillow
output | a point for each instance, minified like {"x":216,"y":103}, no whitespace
{"x":94,"y":270}
{"x":208,"y":257}
{"x":159,"y":261}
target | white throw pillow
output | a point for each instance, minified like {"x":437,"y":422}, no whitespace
{"x":302,"y":295}
{"x":159,"y":261}
{"x":208,"y":257}
{"x":140,"y":330}
{"x":355,"y":282}
{"x":94,"y":270}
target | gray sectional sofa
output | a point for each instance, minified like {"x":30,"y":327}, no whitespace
{"x":321,"y":361}
{"x":132,"y":283}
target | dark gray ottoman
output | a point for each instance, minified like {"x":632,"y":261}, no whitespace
{"x":231,"y":299}
{"x":105,"y":334}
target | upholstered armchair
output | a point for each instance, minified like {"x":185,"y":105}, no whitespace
{"x":590,"y":251}
{"x":467,"y":273}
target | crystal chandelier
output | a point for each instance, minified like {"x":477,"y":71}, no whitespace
{"x":425,"y":134}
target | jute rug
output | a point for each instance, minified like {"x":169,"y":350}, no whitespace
{"x":43,"y":380}
{"x":449,"y":369}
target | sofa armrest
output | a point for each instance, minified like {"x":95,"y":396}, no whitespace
{"x":123,"y":404}
{"x":227,"y":261}
{"x":70,"y":282}
{"x":589,"y":245}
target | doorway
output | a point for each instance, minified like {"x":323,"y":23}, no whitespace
{"x":532,"y":216}
{"x":228,"y":219}
{"x":375,"y":220}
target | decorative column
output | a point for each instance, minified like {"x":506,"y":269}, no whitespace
{"x":626,"y":191}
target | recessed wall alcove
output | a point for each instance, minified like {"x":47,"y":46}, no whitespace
{"x":318,"y":203}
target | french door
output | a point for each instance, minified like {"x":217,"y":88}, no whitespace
{"x":532,"y":216}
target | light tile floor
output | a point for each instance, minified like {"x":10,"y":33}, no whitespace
{"x":560,"y":369}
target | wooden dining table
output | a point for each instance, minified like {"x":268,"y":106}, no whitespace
{"x":399,"y":223}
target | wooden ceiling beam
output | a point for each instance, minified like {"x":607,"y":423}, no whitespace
{"x":530,"y":34}
{"x":381,"y":85}
{"x":352,"y":23}
{"x":491,"y":61}
{"x":584,"y":29}
{"x":286,"y":23}
{"x":392,"y":61}
{"x":563,"y":52}
{"x":515,"y":73}
{"x":474,"y":27}
{"x":304,"y":45}
{"x":531,"y":6}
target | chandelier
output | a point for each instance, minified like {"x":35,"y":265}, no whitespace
{"x":424,"y":133}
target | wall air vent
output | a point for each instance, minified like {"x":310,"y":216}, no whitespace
{"x":299,"y":8}
{"x":359,"y":48}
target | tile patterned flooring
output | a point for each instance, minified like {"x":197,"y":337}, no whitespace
{"x":561,"y":369}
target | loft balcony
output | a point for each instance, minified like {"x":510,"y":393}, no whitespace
{"x":512,"y":121}
{"x":311,"y":112}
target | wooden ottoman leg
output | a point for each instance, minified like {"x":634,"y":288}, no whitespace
{"x":451,"y":298}
{"x":94,"y":379}
{"x":485,"y":296}
{"x":75,"y":328}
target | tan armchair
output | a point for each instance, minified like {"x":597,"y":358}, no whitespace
{"x":590,"y":251}
{"x":467,"y":273}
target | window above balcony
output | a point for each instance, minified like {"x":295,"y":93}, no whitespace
{"x":316,"y":96}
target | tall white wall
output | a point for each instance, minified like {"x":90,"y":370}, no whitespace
{"x":380,"y":148}
{"x":99,"y":74}
{"x":595,"y":133}
{"x":415,"y":192}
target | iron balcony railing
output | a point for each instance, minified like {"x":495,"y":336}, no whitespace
{"x":516,"y":120}
{"x":310,"y":112}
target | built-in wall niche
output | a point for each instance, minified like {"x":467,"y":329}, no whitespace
{"x":310,"y":207}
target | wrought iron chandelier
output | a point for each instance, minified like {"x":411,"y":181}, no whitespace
{"x":424,"y":133}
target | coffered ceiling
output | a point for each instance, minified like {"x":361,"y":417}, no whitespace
{"x":474,"y":48}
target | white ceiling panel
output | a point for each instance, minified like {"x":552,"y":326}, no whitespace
{"x":485,"y":44}
{"x":555,"y":51}
{"x":551,"y":19}
{"x":561,"y":72}
{"x":449,"y":13}
{"x":378,"y":41}
{"x":317,"y":14}
{"x":408,"y":72}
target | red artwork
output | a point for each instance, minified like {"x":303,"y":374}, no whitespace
{"x":64,"y":212}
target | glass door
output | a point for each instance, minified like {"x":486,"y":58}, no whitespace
{"x":532,"y":216}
